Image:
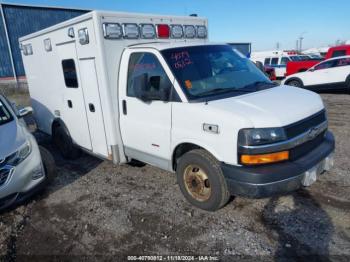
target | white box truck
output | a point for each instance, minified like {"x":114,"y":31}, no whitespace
{"x":152,"y":88}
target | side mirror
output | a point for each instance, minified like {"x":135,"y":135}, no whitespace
{"x":140,"y":86}
{"x":311,"y":69}
{"x":24,"y":111}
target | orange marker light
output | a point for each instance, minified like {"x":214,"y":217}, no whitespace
{"x":264,"y":158}
{"x":188,"y":84}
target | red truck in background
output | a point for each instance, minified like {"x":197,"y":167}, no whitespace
{"x":301,"y":66}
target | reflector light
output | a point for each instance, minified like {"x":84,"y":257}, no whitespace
{"x":112,"y":31}
{"x":264,"y":158}
{"x":177,"y":31}
{"x":47,"y":44}
{"x":131,"y":31}
{"x":190,"y":31}
{"x":163,"y":31}
{"x":148,"y":31}
{"x":201,"y":31}
{"x":27,"y":49}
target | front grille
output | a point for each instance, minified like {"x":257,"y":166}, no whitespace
{"x":304,"y":125}
{"x":305,"y":148}
{"x":4,"y":175}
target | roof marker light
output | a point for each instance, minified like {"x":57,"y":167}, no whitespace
{"x":112,"y":31}
{"x":148,"y":31}
{"x":131,"y":31}
{"x":163,"y":31}
{"x":201,"y":31}
{"x":176,"y":31}
{"x":190,"y":31}
{"x":83,"y":36}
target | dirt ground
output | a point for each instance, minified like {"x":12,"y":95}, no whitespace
{"x":94,"y":210}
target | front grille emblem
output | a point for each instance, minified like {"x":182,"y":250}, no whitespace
{"x":313,"y":132}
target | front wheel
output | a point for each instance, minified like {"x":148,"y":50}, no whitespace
{"x":201,"y":181}
{"x":296,"y":83}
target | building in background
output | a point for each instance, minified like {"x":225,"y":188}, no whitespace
{"x":20,"y":20}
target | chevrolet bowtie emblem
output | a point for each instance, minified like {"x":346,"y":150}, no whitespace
{"x":313,"y":132}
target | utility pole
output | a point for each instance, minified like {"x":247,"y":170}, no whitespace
{"x":297,"y":45}
{"x":278,"y":46}
{"x":301,"y":38}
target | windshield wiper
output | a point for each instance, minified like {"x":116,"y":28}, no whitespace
{"x":260,"y":85}
{"x":221,"y":90}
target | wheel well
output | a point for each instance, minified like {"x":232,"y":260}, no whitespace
{"x":180,"y":150}
{"x":55,"y":123}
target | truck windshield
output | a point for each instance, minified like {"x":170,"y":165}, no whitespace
{"x":5,"y":115}
{"x":214,"y":70}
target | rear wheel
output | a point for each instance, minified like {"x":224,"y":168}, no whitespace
{"x":201,"y":181}
{"x":63,"y":141}
{"x":295,"y":82}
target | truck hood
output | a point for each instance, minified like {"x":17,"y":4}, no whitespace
{"x":274,"y":107}
{"x":12,"y":136}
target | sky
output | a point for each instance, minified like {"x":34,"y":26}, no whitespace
{"x":264,"y":23}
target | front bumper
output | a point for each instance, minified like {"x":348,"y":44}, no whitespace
{"x":279,"y":178}
{"x":21,"y":185}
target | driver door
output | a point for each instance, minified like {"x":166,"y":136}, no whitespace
{"x":145,"y":125}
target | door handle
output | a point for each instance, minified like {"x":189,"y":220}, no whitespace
{"x":70,"y":104}
{"x":92,"y":108}
{"x":124,"y":107}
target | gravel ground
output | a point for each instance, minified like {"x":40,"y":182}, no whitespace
{"x":94,"y":210}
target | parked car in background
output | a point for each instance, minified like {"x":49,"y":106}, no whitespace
{"x":303,"y":65}
{"x":24,"y":166}
{"x":276,"y":59}
{"x":332,"y":73}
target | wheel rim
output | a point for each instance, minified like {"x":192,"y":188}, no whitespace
{"x":197,"y":183}
{"x":294,"y":83}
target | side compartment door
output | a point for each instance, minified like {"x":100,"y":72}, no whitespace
{"x":90,"y":86}
{"x":145,"y":123}
{"x":73,"y":111}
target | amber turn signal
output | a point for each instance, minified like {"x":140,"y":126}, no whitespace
{"x":264,"y":158}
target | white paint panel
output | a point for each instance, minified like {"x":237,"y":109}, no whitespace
{"x":75,"y":117}
{"x":93,"y":103}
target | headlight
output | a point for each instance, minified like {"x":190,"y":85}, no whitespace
{"x":260,"y":136}
{"x":21,"y":154}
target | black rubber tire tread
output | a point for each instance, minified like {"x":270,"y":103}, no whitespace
{"x":63,"y":141}
{"x":220,"y":194}
{"x":49,"y":164}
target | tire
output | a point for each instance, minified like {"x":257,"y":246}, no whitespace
{"x":201,"y":180}
{"x":347,"y":83}
{"x":63,"y":141}
{"x":295,"y":82}
{"x":49,"y":164}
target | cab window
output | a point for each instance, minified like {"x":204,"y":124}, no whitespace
{"x":267,"y":61}
{"x":147,"y":63}
{"x":284,"y":60}
{"x":274,"y":61}
{"x":337,"y":53}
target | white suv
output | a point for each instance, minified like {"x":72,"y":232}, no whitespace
{"x":332,"y":73}
{"x":24,"y":167}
